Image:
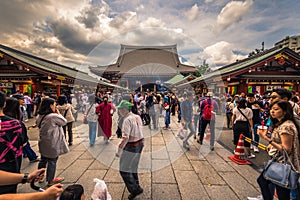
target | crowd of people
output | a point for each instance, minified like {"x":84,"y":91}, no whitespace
{"x":277,"y":109}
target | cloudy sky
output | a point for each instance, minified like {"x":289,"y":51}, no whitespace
{"x":79,"y":32}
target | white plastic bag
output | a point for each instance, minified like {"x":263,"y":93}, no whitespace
{"x":100,"y":191}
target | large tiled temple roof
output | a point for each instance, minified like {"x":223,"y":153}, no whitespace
{"x":133,"y":57}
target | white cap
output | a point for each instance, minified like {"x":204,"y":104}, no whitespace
{"x":209,"y":94}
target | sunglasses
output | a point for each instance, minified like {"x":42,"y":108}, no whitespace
{"x":273,"y":96}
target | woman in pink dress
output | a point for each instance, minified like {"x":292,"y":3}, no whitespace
{"x":105,"y":111}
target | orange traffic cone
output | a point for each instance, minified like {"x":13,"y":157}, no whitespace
{"x":239,"y":154}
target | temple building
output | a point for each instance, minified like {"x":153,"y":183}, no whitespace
{"x":20,"y":71}
{"x":273,"y":68}
{"x":144,"y":67}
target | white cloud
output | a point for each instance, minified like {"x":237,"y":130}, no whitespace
{"x":192,"y":13}
{"x":219,"y":54}
{"x":232,"y":13}
{"x":66,"y":31}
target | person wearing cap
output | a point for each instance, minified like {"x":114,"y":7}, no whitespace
{"x":204,"y":122}
{"x":256,"y":107}
{"x":130,"y":148}
{"x":20,"y":97}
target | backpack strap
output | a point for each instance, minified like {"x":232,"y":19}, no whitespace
{"x":66,"y":112}
{"x":41,"y":121}
{"x":243,"y":115}
{"x":89,"y":109}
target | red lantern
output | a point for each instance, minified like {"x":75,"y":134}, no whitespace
{"x":281,"y":61}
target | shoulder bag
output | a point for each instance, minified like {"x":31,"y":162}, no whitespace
{"x":85,"y":121}
{"x":282,"y":174}
{"x":244,"y":115}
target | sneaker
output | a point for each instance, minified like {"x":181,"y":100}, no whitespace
{"x":133,"y":195}
{"x":255,"y":198}
{"x":186,"y":146}
{"x":199,"y":141}
{"x":251,"y":156}
{"x":212,"y":148}
{"x":55,"y":181}
{"x":251,"y":146}
{"x":256,"y":150}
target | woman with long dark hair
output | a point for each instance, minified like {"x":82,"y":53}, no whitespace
{"x":52,"y":142}
{"x":66,"y":110}
{"x":12,"y":109}
{"x":284,"y":135}
{"x":242,"y":124}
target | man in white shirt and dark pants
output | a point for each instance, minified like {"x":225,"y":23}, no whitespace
{"x":132,"y":143}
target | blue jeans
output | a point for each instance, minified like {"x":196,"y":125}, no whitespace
{"x":196,"y":121}
{"x":256,"y":136}
{"x":295,"y":194}
{"x":51,"y":168}
{"x":129,"y":162}
{"x":28,"y":151}
{"x":92,"y":132}
{"x":190,"y":126}
{"x":167,"y":118}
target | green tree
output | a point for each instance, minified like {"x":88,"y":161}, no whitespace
{"x":203,"y":69}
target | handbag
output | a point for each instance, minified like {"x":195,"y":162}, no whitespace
{"x":85,"y":121}
{"x":282,"y":174}
{"x":63,"y":146}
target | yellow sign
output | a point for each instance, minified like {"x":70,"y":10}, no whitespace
{"x":1,"y":55}
{"x":62,"y":78}
{"x":280,"y":55}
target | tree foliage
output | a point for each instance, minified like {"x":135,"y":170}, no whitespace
{"x":203,"y":69}
{"x":255,"y":52}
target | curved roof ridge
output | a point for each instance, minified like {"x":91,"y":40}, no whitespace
{"x":125,"y":46}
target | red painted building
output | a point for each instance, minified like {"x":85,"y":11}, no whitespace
{"x":276,"y":67}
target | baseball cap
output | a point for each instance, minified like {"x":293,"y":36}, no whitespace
{"x":125,"y":104}
{"x":209,"y":94}
{"x":18,"y":96}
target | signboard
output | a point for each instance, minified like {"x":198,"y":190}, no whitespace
{"x":271,"y":87}
{"x":6,"y":85}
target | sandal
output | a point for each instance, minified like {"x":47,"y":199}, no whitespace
{"x":55,"y":181}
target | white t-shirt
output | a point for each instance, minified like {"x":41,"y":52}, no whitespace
{"x":238,"y":115}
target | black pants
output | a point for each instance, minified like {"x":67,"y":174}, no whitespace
{"x":228,"y":119}
{"x":129,"y":162}
{"x":70,"y":133}
{"x":266,"y":189}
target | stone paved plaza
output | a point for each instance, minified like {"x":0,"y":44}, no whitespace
{"x":167,"y":171}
